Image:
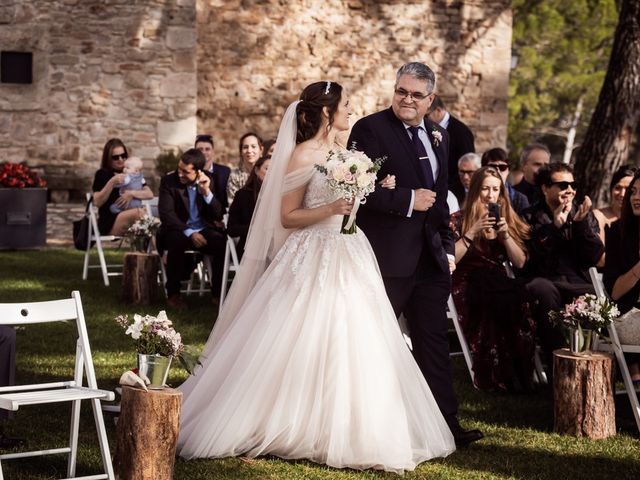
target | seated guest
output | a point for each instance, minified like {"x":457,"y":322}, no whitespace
{"x":617,"y":188}
{"x":467,"y":165}
{"x":497,"y":158}
{"x":492,"y":307}
{"x":622,"y":268}
{"x":220,"y":172}
{"x":533,"y":157}
{"x":189,"y":209}
{"x":244,"y":203}
{"x":7,"y":375}
{"x":564,"y":245}
{"x":251,"y":149}
{"x":106,"y":191}
{"x":269,"y":147}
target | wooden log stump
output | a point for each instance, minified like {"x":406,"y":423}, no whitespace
{"x":147,"y":434}
{"x":140,"y":278}
{"x":583,"y":394}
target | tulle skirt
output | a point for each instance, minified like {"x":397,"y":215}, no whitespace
{"x":314,"y":367}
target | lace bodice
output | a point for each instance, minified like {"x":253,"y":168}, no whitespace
{"x":318,"y":191}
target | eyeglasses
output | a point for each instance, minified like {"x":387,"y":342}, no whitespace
{"x":499,"y":166}
{"x":564,"y":185}
{"x":466,"y":172}
{"x":121,"y":156}
{"x":417,"y":96}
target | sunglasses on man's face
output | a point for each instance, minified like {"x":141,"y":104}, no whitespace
{"x":121,"y":156}
{"x":499,"y":166}
{"x":564,"y":185}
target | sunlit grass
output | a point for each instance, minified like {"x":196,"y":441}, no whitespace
{"x":519,"y":441}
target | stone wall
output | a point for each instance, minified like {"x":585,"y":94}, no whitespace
{"x":156,"y":72}
{"x":101,"y":69}
{"x":252,"y":62}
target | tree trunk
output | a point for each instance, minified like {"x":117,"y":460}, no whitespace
{"x":140,"y":278}
{"x":571,"y":134}
{"x":147,"y":434}
{"x":583,"y":394}
{"x":615,"y":119}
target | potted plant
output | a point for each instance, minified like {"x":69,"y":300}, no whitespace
{"x":157,"y":344}
{"x":23,"y":207}
{"x":585,"y":316}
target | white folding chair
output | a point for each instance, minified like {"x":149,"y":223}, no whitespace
{"x":452,"y":314}
{"x":612,"y":344}
{"x":96,"y":239}
{"x":14,"y":397}
{"x":231,"y":265}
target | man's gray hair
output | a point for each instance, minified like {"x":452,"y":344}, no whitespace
{"x":526,"y":151}
{"x":471,"y":157}
{"x":420,"y":71}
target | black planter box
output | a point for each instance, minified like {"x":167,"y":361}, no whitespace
{"x":23,"y":218}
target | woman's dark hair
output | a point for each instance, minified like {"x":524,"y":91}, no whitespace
{"x":108,"y":150}
{"x":619,"y":174}
{"x":268,"y":144}
{"x":629,"y":223}
{"x":494,"y":155}
{"x":309,"y":111}
{"x":247,"y":135}
{"x":253,"y":182}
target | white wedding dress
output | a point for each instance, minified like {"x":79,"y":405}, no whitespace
{"x":314,"y":365}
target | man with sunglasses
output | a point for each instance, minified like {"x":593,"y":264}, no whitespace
{"x":564,"y":244}
{"x":408,"y":227}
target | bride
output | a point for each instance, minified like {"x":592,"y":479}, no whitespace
{"x":306,"y":359}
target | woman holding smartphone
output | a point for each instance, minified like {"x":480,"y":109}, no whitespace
{"x":492,"y":307}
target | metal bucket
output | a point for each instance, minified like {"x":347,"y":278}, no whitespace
{"x":155,"y":368}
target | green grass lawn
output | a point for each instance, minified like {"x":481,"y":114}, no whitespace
{"x":519,"y":441}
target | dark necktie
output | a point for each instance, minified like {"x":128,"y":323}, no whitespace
{"x":423,"y":158}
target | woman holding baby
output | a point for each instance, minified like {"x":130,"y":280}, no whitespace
{"x":116,"y":192}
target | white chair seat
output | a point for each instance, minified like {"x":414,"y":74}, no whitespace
{"x":12,"y":401}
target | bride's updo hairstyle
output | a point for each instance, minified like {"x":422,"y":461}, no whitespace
{"x":309,"y":110}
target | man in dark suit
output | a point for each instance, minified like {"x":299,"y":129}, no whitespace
{"x":220,"y":172}
{"x":408,"y":227}
{"x":189,"y":208}
{"x":461,"y":139}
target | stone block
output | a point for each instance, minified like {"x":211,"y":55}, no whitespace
{"x":179,"y":38}
{"x":179,"y":133}
{"x":179,"y":85}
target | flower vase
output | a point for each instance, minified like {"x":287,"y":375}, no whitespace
{"x":580,"y":341}
{"x":140,"y":243}
{"x":155,"y":368}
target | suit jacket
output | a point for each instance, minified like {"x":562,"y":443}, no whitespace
{"x":220,"y":179}
{"x":461,"y":141}
{"x":173,"y":205}
{"x":397,"y":240}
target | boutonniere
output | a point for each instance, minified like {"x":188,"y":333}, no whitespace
{"x":437,"y":137}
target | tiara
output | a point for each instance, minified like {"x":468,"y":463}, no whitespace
{"x":326,"y":89}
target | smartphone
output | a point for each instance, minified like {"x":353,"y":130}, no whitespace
{"x":494,"y":211}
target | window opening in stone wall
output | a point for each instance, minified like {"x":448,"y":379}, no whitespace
{"x":16,"y":67}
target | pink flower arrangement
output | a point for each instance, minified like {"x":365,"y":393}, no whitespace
{"x":18,"y":175}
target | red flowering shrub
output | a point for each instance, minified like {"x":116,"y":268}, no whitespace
{"x":18,"y":175}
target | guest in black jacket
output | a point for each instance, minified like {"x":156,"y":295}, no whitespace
{"x":189,"y":210}
{"x":622,"y":266}
{"x":244,"y":203}
{"x":564,"y":245}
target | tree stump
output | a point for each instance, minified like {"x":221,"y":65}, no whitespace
{"x":583,"y":394}
{"x":147,"y":434}
{"x":140,"y":278}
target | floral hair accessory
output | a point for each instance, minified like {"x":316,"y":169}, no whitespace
{"x":326,"y":89}
{"x":437,"y":137}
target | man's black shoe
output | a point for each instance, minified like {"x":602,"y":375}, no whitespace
{"x":11,"y":442}
{"x":464,"y":437}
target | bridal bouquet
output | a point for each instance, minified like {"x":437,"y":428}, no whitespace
{"x":352,"y":175}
